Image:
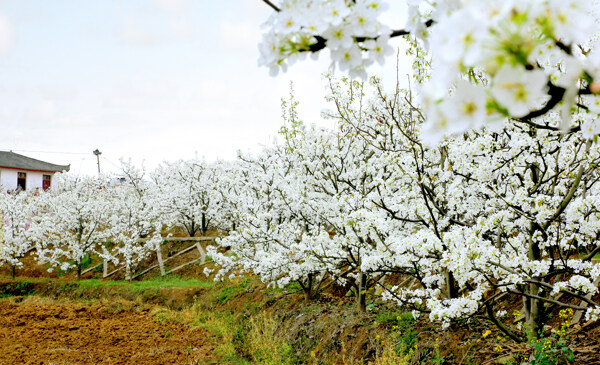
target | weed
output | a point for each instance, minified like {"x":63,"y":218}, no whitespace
{"x":554,"y":349}
{"x":228,"y":293}
{"x":548,"y":351}
{"x":22,"y":288}
{"x":389,"y":356}
{"x":264,"y":344}
{"x":404,"y":335}
{"x":437,"y":358}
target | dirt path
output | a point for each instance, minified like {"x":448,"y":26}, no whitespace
{"x":63,"y":334}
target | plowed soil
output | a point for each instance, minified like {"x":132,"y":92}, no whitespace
{"x":80,"y":334}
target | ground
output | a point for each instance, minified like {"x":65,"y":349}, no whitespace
{"x":48,"y":333}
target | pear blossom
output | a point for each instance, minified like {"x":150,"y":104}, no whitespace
{"x":519,"y":91}
{"x":379,"y":49}
{"x":590,"y":128}
{"x":347,"y":58}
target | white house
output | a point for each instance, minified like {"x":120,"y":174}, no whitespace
{"x":26,"y":173}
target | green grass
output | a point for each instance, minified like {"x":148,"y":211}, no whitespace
{"x":164,"y":282}
{"x":21,"y":288}
{"x":228,"y":293}
{"x":153,"y":283}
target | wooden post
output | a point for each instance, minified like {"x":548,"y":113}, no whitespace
{"x":202,"y":253}
{"x":161,"y":263}
{"x":105,"y":264}
{"x":578,"y":314}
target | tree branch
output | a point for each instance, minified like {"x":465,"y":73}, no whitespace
{"x":322,"y":42}
{"x":272,"y":5}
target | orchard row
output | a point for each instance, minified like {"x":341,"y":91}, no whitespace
{"x":481,"y":217}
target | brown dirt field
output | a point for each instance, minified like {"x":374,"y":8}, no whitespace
{"x":50,"y":333}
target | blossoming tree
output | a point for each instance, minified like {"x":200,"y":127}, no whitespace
{"x":17,"y":237}
{"x":135,"y":219}
{"x":189,"y":190}
{"x":74,"y":221}
{"x":481,"y":215}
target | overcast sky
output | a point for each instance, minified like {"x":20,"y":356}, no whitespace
{"x":151,"y":80}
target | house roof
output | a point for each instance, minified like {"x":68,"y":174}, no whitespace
{"x":13,"y":160}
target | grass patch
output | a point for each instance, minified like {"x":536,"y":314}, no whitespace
{"x":238,"y":338}
{"x":21,"y":288}
{"x":228,"y":293}
{"x":161,"y":282}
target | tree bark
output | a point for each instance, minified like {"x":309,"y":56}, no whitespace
{"x":308,"y":288}
{"x":451,"y":290}
{"x":362,"y":292}
{"x":533,"y":307}
{"x":204,"y":228}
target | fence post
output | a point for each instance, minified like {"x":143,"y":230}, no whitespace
{"x":202,"y":253}
{"x":579,"y":313}
{"x":105,"y":263}
{"x":160,"y":260}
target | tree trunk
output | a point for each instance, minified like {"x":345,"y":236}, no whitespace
{"x":14,"y":271}
{"x":308,"y":288}
{"x":534,"y":312}
{"x":191,"y":229}
{"x":533,"y":308}
{"x":79,"y":271}
{"x":362,"y":292}
{"x":204,"y":228}
{"x":451,"y":290}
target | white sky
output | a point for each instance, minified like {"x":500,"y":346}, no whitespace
{"x":151,"y":80}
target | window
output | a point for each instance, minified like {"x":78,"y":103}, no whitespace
{"x":46,"y":181}
{"x":21,"y":181}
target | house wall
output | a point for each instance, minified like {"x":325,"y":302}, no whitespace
{"x":8,"y":179}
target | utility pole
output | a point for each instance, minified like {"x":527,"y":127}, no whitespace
{"x":98,"y":153}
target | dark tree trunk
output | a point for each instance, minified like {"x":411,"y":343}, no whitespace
{"x":362,"y":292}
{"x":204,"y":228}
{"x":451,"y":289}
{"x":308,"y":288}
{"x":191,"y":228}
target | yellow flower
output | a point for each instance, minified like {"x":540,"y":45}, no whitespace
{"x":486,"y":333}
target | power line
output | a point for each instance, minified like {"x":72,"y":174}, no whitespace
{"x":62,"y":153}
{"x":110,"y":162}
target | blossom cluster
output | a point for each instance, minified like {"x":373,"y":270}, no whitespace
{"x":490,"y":60}
{"x":301,"y":25}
